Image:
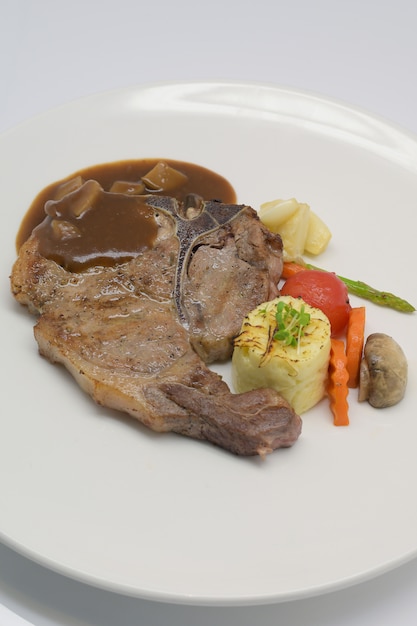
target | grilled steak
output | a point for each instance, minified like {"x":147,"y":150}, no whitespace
{"x":137,"y":334}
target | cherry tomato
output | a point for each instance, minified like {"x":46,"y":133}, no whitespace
{"x":323,"y":290}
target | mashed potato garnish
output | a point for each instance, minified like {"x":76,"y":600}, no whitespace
{"x":284,"y":344}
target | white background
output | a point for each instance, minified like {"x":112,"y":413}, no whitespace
{"x":363,"y":52}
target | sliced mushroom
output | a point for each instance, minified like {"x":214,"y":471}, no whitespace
{"x":164,"y":178}
{"x":383,"y":371}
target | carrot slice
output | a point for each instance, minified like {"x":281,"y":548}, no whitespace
{"x":337,"y":384}
{"x":355,"y":337}
{"x":290,"y":268}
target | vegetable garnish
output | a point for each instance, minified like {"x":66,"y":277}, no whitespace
{"x":382,"y":298}
{"x":323,"y":290}
{"x":290,"y":268}
{"x":290,"y":323}
{"x":357,"y":288}
{"x":355,"y":339}
{"x":337,"y":386}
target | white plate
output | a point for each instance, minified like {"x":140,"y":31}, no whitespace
{"x":99,"y":498}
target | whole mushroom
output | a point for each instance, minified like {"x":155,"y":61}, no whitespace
{"x":383,"y":371}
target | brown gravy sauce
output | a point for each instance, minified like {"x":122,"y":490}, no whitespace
{"x":99,"y":215}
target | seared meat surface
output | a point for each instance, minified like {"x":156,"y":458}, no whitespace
{"x":137,"y":335}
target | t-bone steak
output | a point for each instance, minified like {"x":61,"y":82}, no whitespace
{"x":138,"y":335}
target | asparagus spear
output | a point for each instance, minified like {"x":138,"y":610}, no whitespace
{"x":361,"y":289}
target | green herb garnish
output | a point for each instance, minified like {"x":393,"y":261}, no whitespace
{"x":290,"y":323}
